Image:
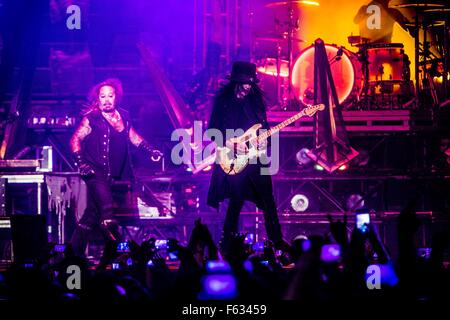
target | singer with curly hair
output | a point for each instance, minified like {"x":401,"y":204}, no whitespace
{"x":100,"y":147}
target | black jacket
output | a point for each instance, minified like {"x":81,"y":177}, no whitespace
{"x":229,"y":113}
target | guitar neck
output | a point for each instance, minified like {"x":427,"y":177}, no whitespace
{"x":280,"y":126}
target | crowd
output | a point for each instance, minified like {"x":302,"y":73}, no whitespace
{"x":346,"y":264}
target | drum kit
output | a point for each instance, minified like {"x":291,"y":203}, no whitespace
{"x":377,"y":76}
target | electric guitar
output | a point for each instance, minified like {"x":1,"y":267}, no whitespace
{"x":233,"y":162}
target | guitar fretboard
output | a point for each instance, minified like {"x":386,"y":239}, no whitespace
{"x":279,"y":126}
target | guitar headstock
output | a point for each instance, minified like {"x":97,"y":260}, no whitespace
{"x":311,"y":110}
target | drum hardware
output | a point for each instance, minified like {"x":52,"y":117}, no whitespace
{"x":286,"y":100}
{"x":277,"y":68}
{"x":421,"y":10}
{"x":388,"y":95}
{"x":431,"y":24}
{"x":291,"y":3}
{"x":273,"y":74}
{"x":417,"y":5}
{"x":429,"y":89}
{"x":430,"y":86}
{"x":443,"y":46}
{"x":292,"y":26}
{"x":381,"y":71}
{"x":432,"y":70}
{"x":278,"y":38}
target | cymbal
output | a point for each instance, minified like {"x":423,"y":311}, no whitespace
{"x":437,"y":15}
{"x":431,"y":24}
{"x":278,"y":38}
{"x":437,"y":10}
{"x":302,"y":3}
{"x":270,"y":39}
{"x":416,"y":5}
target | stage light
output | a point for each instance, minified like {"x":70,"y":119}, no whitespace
{"x":320,"y":159}
{"x":318,"y":167}
{"x":445,"y":148}
{"x":303,"y":242}
{"x":302,"y":157}
{"x":208,"y":168}
{"x":355,"y":202}
{"x":299,"y":203}
{"x":51,"y":122}
{"x":311,"y":3}
{"x":300,"y":237}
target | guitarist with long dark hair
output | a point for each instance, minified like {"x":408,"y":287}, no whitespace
{"x":240,"y":105}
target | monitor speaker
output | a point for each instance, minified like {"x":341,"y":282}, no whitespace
{"x":29,"y":237}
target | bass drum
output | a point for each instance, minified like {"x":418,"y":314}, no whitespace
{"x":346,"y":72}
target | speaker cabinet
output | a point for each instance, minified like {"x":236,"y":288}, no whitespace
{"x":29,"y":237}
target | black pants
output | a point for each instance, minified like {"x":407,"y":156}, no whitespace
{"x":98,"y":214}
{"x":231,"y":224}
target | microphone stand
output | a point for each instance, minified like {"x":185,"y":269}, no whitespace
{"x":291,"y":28}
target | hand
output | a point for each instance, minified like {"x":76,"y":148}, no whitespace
{"x":339,"y":230}
{"x":86,"y":170}
{"x":84,"y":167}
{"x":156,"y":155}
{"x":237,"y":147}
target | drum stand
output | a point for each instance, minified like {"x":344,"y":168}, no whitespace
{"x":427,"y":82}
{"x":445,"y":57}
{"x":280,"y":101}
{"x":420,"y":10}
{"x":365,"y":71}
{"x":288,"y":102}
{"x":285,"y":99}
{"x":366,"y":97}
{"x":291,"y":28}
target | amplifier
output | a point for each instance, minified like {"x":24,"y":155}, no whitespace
{"x":5,"y":240}
{"x":2,"y":197}
{"x":29,"y":237}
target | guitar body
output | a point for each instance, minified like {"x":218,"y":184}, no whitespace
{"x":232,"y":163}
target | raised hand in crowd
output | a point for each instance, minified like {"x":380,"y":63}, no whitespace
{"x":338,"y":230}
